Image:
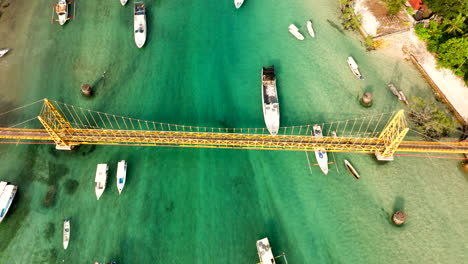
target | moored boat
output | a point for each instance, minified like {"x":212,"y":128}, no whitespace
{"x":3,"y":52}
{"x":123,"y":2}
{"x":394,"y":91}
{"x":320,"y":153}
{"x":61,"y":8}
{"x":139,"y":24}
{"x":354,"y":68}
{"x":238,"y":3}
{"x":264,"y":252}
{"x":403,"y":97}
{"x":310,"y":29}
{"x":295,"y":32}
{"x":352,"y":169}
{"x":66,"y":233}
{"x":7,"y":194}
{"x":121,"y":175}
{"x":101,"y":179}
{"x":270,"y":102}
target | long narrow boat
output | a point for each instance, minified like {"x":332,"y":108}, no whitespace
{"x":101,"y":179}
{"x":264,"y":252}
{"x":7,"y":194}
{"x":295,"y":32}
{"x":320,"y":153}
{"x":3,"y":52}
{"x":66,"y":233}
{"x":238,"y":3}
{"x":352,"y":169}
{"x":270,"y":102}
{"x":310,"y":29}
{"x":139,"y":24}
{"x":61,"y":8}
{"x":354,"y":68}
{"x":123,"y":2}
{"x":121,"y":175}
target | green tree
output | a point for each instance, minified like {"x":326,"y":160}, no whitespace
{"x":448,"y":8}
{"x":429,"y":120}
{"x":456,"y":25}
{"x":394,"y":6}
{"x":453,"y":54}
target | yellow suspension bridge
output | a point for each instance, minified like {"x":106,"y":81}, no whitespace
{"x":68,"y":126}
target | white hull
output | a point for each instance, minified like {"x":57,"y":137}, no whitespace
{"x":264,"y":251}
{"x":354,"y":68}
{"x":310,"y":29}
{"x":295,"y":32}
{"x":123,"y":2}
{"x":270,"y":104}
{"x":101,"y":179}
{"x":352,"y":169}
{"x":66,"y":233}
{"x":238,"y":3}
{"x":121,"y":175}
{"x":320,"y":153}
{"x":7,"y":194}
{"x":139,"y":24}
{"x":63,"y":13}
{"x":3,"y":52}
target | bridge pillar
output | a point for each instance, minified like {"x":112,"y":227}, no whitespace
{"x":392,"y":135}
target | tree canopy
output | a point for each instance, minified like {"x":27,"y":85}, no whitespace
{"x":448,"y":8}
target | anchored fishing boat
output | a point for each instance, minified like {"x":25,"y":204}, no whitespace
{"x":310,"y":29}
{"x":139,"y":24}
{"x":352,"y":169}
{"x":3,"y":52}
{"x":121,"y":175}
{"x":66,"y":233}
{"x":238,"y":3}
{"x":354,"y":68}
{"x":270,"y":102}
{"x":264,"y":252}
{"x":295,"y":32}
{"x":320,"y":153}
{"x":7,"y":194}
{"x":101,"y":179}
{"x":123,"y":2}
{"x":394,"y":91}
{"x":61,"y":9}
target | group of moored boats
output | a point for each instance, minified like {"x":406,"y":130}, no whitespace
{"x":101,"y":177}
{"x":294,"y":30}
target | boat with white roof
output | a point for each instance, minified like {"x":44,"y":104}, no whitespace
{"x":354,"y":68}
{"x":270,"y":102}
{"x":264,"y":251}
{"x":295,"y":32}
{"x":101,"y":179}
{"x":3,"y":52}
{"x":310,"y":29}
{"x":7,"y":194}
{"x":238,"y":3}
{"x":139,"y":24}
{"x":121,"y":175}
{"x":320,"y":153}
{"x":123,"y":2}
{"x":61,"y":9}
{"x":66,"y":233}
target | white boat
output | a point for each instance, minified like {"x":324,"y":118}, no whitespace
{"x":270,"y":102}
{"x":354,"y":68}
{"x":61,"y":8}
{"x":310,"y":29}
{"x":3,"y":52}
{"x":121,"y":175}
{"x":7,"y":194}
{"x":320,"y":153}
{"x":264,"y":252}
{"x":394,"y":91}
{"x":238,"y":3}
{"x":139,"y":24}
{"x":295,"y":32}
{"x":352,"y":169}
{"x":101,"y":179}
{"x":66,"y":233}
{"x":123,"y":2}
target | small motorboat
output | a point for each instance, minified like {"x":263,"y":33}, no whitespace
{"x":270,"y":103}
{"x":320,"y":153}
{"x":295,"y":32}
{"x":394,"y":91}
{"x":3,"y":52}
{"x":238,"y":3}
{"x":61,"y":8}
{"x":310,"y":29}
{"x":139,"y":24}
{"x":66,"y":233}
{"x":354,"y":68}
{"x":352,"y":169}
{"x":101,"y":179}
{"x":123,"y":2}
{"x":403,"y":97}
{"x":7,"y":194}
{"x":121,"y":175}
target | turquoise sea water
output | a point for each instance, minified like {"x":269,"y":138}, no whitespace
{"x":201,"y":66}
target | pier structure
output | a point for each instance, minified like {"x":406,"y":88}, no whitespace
{"x":68,"y":126}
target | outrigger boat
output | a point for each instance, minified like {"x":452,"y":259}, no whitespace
{"x":295,"y":32}
{"x":7,"y":194}
{"x":66,"y":233}
{"x":101,"y":179}
{"x":121,"y":175}
{"x":61,"y":10}
{"x":123,"y":2}
{"x":139,"y":24}
{"x":354,"y":68}
{"x":270,"y":102}
{"x":238,"y":3}
{"x":3,"y":52}
{"x":352,"y":169}
{"x":310,"y":29}
{"x":320,"y":153}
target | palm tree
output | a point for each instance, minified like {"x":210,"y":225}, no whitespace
{"x":456,"y":25}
